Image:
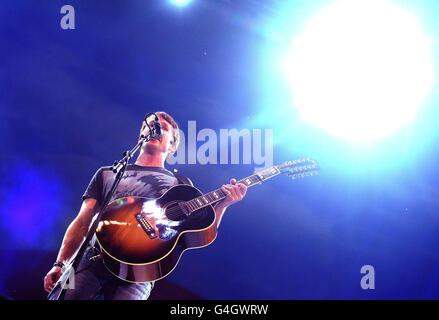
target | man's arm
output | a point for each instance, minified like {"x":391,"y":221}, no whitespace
{"x":73,"y":238}
{"x":236,"y":192}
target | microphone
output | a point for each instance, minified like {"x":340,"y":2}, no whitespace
{"x":157,"y":129}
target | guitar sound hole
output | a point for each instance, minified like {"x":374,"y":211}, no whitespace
{"x":173,"y":212}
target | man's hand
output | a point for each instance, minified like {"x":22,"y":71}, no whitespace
{"x":52,"y":277}
{"x":235,"y":192}
{"x":73,"y":239}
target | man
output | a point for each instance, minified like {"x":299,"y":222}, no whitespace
{"x":147,"y":178}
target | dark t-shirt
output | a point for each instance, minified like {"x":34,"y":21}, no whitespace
{"x":148,"y":182}
{"x":141,"y":181}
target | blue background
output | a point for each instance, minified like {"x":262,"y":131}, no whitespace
{"x":73,"y":100}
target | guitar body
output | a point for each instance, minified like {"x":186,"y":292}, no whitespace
{"x":142,"y":239}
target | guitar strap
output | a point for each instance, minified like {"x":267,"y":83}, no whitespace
{"x":183,"y":179}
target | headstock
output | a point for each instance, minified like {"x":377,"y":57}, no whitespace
{"x":299,"y":168}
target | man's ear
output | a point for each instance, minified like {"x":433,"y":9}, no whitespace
{"x":172,"y":149}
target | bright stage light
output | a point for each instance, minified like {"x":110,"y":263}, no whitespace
{"x":180,"y":2}
{"x":360,"y":69}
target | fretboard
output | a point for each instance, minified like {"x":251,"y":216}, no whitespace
{"x":217,"y":195}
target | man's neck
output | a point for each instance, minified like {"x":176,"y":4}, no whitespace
{"x":150,"y":160}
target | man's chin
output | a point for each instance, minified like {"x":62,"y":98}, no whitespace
{"x":153,"y":142}
{"x":152,"y":145}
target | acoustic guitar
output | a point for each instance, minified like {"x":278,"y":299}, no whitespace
{"x":142,"y":239}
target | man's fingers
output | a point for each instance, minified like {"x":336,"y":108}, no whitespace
{"x":46,"y":287}
{"x":50,"y":279}
{"x":227,"y":190}
{"x":242,"y":188}
{"x":235,"y":191}
{"x":48,"y":283}
{"x":230,"y":192}
{"x":238,"y":191}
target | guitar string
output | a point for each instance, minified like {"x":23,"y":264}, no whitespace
{"x":176,"y":212}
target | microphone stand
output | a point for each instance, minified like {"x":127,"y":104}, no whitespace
{"x":119,"y":168}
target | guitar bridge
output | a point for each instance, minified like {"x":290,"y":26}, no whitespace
{"x":146,"y":226}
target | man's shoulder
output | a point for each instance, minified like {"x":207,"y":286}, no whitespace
{"x":106,"y":168}
{"x":103,"y":169}
{"x":182,"y":179}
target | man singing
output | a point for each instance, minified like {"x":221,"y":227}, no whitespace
{"x":146,"y":178}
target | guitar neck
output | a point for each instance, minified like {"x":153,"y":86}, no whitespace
{"x":218,"y":194}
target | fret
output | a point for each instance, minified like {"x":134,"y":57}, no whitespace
{"x":250,"y":181}
{"x":209,"y":197}
{"x":219,"y":194}
{"x":214,"y":196}
{"x":257,"y":178}
{"x":267,"y":173}
{"x":188,"y":205}
{"x":192,"y":205}
{"x":205,"y":200}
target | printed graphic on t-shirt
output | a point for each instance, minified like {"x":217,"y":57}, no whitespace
{"x":148,"y":182}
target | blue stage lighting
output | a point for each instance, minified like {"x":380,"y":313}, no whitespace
{"x":360,"y":69}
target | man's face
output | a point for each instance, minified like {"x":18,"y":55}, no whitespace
{"x":164,"y":145}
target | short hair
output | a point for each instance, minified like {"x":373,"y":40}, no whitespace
{"x":175,"y":129}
